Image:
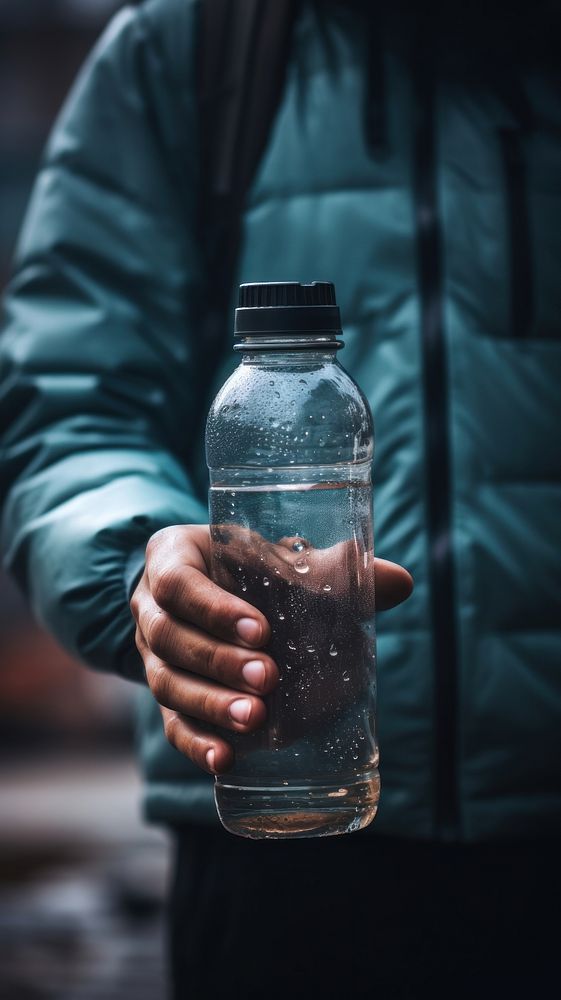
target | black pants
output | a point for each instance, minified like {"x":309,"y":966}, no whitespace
{"x":364,"y":916}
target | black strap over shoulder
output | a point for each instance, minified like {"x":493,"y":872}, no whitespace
{"x":243,"y":58}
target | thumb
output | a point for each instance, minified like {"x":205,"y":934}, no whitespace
{"x":393,"y":584}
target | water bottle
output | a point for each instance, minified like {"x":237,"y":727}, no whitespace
{"x":289,"y":446}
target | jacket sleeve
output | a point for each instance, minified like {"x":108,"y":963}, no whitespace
{"x":98,"y":382}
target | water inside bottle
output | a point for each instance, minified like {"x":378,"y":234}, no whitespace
{"x":302,"y":553}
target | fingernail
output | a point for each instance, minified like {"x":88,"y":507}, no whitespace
{"x":254,"y":673}
{"x":249,"y":630}
{"x":210,"y":759}
{"x":240,"y":710}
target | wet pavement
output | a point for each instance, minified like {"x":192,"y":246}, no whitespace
{"x":82,"y":884}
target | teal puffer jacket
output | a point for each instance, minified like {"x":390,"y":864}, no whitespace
{"x":431,"y":195}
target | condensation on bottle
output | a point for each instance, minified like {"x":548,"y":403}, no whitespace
{"x":289,"y":445}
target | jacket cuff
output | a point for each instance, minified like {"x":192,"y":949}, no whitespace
{"x":134,"y":568}
{"x":131,"y":666}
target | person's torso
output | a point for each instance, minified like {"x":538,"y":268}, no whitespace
{"x":431,"y":196}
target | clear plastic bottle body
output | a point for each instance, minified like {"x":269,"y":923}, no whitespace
{"x":289,"y":449}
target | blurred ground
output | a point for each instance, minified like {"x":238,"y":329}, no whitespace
{"x":82,"y":883}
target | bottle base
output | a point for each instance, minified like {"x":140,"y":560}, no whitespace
{"x":289,"y":811}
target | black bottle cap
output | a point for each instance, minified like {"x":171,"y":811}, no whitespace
{"x":279,"y":308}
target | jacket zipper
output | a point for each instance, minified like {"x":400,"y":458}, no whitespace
{"x":437,"y":457}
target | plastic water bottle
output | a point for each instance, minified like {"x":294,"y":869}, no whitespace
{"x":289,"y":448}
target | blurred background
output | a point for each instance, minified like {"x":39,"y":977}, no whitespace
{"x":81,"y":878}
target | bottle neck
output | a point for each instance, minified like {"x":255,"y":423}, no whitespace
{"x":287,"y":355}
{"x":292,"y":344}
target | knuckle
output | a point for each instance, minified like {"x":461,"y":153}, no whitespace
{"x":166,"y":586}
{"x":170,"y":729}
{"x":207,"y":705}
{"x":157,"y":633}
{"x":216,"y":610}
{"x":160,"y":684}
{"x":161,"y":536}
{"x":154,"y":543}
{"x":134,"y":604}
{"x":213,"y":663}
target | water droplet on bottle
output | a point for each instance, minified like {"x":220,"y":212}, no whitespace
{"x":298,"y":546}
{"x":303,"y":381}
{"x":265,"y":581}
{"x":321,"y":442}
{"x":354,"y":756}
{"x":323,"y":416}
{"x":291,"y":645}
{"x":272,"y":382}
{"x":327,"y":587}
{"x":244,"y":587}
{"x":301,"y":566}
{"x":281,"y":616}
{"x":333,"y":649}
{"x":277,"y":394}
{"x":311,"y":649}
{"x":233,"y":493}
{"x":346,"y":675}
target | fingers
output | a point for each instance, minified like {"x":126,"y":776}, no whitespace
{"x":333,"y":570}
{"x":197,"y":643}
{"x":176,"y":568}
{"x":191,"y":649}
{"x":238,"y":547}
{"x":393,"y":584}
{"x":209,"y":751}
{"x":201,"y":699}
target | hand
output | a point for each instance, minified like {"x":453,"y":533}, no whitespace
{"x":240,"y":554}
{"x":320,"y":603}
{"x":199,"y":642}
